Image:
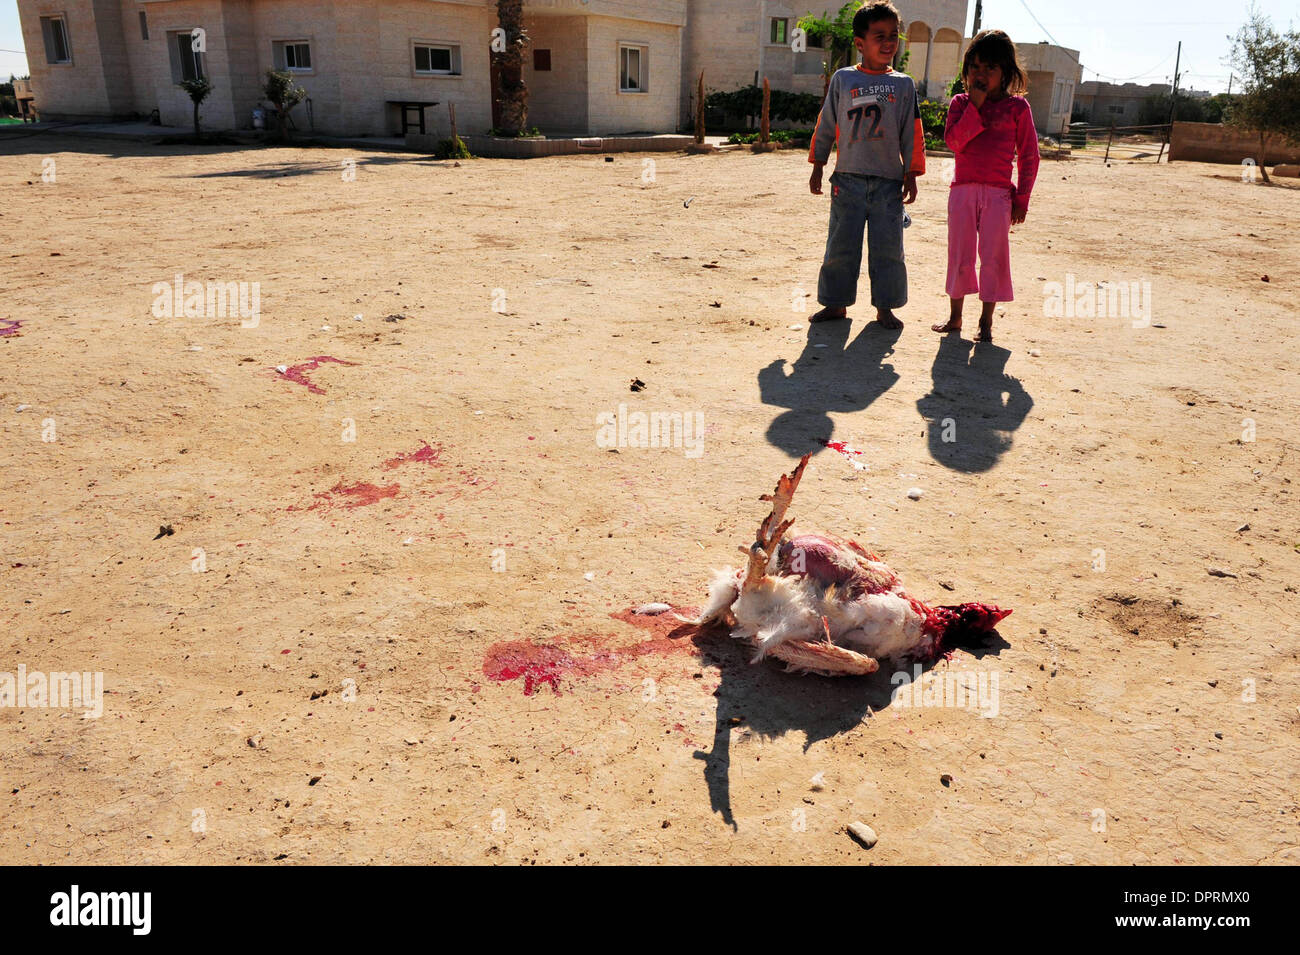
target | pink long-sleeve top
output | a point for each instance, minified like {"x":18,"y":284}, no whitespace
{"x":986,"y":141}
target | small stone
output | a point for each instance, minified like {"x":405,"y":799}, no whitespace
{"x":1243,"y":527}
{"x":589,"y":575}
{"x":864,"y":834}
{"x":1220,"y":572}
{"x":1218,"y":736}
{"x":1034,"y":353}
{"x":946,"y":779}
{"x":651,"y":610}
{"x":818,"y":783}
{"x":915,"y":493}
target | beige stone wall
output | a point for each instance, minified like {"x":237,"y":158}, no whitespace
{"x":557,"y":99}
{"x":468,"y":26}
{"x":76,"y":89}
{"x":1214,"y":142}
{"x":182,"y":16}
{"x":361,"y":58}
{"x":610,"y":111}
{"x":1049,"y":66}
{"x":935,"y":31}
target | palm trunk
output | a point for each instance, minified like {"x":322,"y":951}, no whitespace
{"x":514,"y":94}
{"x":196,"y":120}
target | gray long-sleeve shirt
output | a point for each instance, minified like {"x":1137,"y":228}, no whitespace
{"x":876,"y":120}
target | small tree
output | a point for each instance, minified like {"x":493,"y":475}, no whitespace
{"x":836,"y":37}
{"x":198,"y":91}
{"x":284,"y":94}
{"x":1269,"y":104}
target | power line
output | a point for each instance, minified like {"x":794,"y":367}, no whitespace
{"x":1116,"y":79}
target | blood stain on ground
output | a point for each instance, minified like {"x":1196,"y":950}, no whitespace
{"x":298,"y":373}
{"x":545,"y":664}
{"x":360,"y":494}
{"x":851,"y":453}
{"x":425,"y":455}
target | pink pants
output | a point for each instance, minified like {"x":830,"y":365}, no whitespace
{"x":979,"y":220}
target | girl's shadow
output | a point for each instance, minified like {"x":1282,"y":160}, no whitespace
{"x":838,"y":376}
{"x":973,"y":405}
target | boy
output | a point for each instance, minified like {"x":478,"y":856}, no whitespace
{"x":871,"y":111}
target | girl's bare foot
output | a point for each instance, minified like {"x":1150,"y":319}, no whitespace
{"x":831,"y":313}
{"x":887,"y":318}
{"x":952,"y":325}
{"x":986,"y":332}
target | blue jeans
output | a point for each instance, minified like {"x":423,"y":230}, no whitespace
{"x":876,"y":205}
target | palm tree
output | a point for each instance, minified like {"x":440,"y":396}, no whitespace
{"x":510,"y":62}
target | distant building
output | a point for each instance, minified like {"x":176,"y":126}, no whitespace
{"x":593,"y":66}
{"x":1121,"y":104}
{"x":1054,"y":78}
{"x":934,"y":30}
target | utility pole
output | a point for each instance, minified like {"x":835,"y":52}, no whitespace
{"x":1230,"y":79}
{"x":979,"y":16}
{"x":1173,"y":108}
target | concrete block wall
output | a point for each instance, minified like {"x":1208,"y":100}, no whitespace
{"x":1215,"y":142}
{"x":73,"y":90}
{"x":151,"y":62}
{"x":463,"y":24}
{"x":610,"y":111}
{"x":557,"y":99}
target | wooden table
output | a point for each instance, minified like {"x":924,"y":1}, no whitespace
{"x":406,"y":106}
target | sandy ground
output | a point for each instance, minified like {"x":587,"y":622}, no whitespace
{"x":476,"y":527}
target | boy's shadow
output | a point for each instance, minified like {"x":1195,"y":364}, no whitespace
{"x":973,"y":405}
{"x":766,"y":702}
{"x":821,"y":380}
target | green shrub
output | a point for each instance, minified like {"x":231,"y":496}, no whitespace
{"x":934,"y":117}
{"x":783,"y":136}
{"x":783,"y":105}
{"x":452,"y":149}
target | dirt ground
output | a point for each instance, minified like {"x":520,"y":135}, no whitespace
{"x":456,"y":579}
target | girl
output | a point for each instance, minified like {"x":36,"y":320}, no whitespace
{"x":986,"y":128}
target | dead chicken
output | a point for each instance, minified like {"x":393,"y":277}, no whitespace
{"x":826,"y":605}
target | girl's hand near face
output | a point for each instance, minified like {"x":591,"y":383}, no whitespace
{"x":977,"y":94}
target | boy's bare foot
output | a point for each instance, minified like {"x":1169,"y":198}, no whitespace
{"x":831,"y":313}
{"x":888,"y":319}
{"x":986,"y":332}
{"x":950,"y":326}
